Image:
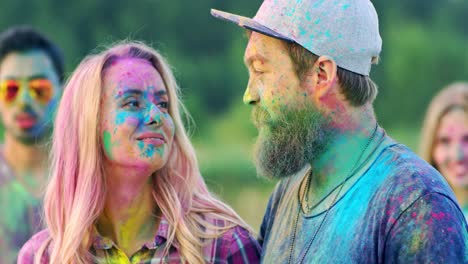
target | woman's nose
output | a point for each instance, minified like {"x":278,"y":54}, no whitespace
{"x":459,"y":152}
{"x":154,"y":116}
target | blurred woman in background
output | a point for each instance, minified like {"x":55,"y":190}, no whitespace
{"x":444,"y":139}
{"x":126,"y":187}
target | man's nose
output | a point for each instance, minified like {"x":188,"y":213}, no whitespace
{"x":250,"y":95}
{"x":24,"y":97}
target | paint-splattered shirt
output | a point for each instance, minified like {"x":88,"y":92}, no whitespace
{"x":234,"y":246}
{"x":20,"y":217}
{"x":398,"y":210}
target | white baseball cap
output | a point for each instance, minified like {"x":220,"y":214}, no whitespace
{"x":345,"y":30}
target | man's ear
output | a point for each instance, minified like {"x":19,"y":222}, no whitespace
{"x":321,"y":77}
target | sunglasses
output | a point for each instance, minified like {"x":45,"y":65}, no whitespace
{"x":40,"y":90}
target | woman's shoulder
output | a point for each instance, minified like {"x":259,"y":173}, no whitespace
{"x":238,"y":233}
{"x":28,"y":251}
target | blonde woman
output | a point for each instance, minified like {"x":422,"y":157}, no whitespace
{"x":444,"y":139}
{"x":126,"y":187}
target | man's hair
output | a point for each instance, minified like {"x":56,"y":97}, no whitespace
{"x":358,"y":89}
{"x":25,"y":38}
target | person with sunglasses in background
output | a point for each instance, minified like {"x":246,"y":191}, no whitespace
{"x":31,"y":75}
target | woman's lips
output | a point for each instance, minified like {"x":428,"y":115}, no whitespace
{"x":461,"y":172}
{"x":156,"y":139}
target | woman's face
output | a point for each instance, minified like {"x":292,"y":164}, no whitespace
{"x":136,"y":128}
{"x":450,"y":153}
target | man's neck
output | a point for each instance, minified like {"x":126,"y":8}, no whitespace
{"x":131,"y":216}
{"x":26,"y":160}
{"x":350,"y":145}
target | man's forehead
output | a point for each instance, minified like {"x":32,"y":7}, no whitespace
{"x":262,"y":47}
{"x":254,"y":52}
{"x":26,"y":64}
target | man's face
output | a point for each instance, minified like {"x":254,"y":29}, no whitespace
{"x":292,"y":131}
{"x":273,"y":83}
{"x":29,"y":93}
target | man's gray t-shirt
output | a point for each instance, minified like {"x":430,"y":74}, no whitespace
{"x":399,"y":210}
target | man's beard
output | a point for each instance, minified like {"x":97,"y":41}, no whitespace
{"x":285,"y":145}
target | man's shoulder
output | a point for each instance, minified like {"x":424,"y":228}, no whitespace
{"x":404,"y":170}
{"x":407,"y":178}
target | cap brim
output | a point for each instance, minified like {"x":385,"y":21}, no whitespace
{"x":248,"y":23}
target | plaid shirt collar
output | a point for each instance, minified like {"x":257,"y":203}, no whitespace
{"x":105,"y":243}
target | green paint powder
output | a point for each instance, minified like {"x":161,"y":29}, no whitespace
{"x":107,"y":143}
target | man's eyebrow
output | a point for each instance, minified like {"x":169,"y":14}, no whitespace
{"x":32,"y":77}
{"x":37,"y":76}
{"x":248,"y":61}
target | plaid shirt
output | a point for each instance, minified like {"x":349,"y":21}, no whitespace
{"x":234,"y":246}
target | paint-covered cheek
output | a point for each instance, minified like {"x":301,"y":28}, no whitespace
{"x":127,"y":118}
{"x":116,"y":143}
{"x":44,"y":113}
{"x":108,"y":144}
{"x":51,"y":106}
{"x":283,"y":95}
{"x":463,"y":151}
{"x":273,"y":95}
{"x":441,"y":156}
{"x":43,"y":110}
{"x":169,"y":126}
{"x":116,"y":130}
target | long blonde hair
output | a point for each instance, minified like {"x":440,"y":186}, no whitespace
{"x":453,"y":96}
{"x":76,"y":192}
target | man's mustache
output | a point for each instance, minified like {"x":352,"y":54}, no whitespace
{"x":26,"y":109}
{"x":260,"y":116}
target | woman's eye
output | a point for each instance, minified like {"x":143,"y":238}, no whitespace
{"x":465,"y":139}
{"x":164,"y":105}
{"x":132,"y":103}
{"x":444,"y":141}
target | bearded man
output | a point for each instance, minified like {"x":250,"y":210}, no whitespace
{"x":348,"y":193}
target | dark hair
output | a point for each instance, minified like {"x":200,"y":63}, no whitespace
{"x":358,"y":89}
{"x":25,"y":38}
